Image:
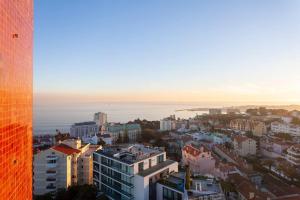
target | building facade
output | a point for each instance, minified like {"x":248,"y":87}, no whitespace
{"x":130,"y":172}
{"x":84,"y":129}
{"x":16,"y":29}
{"x":258,"y":128}
{"x":100,"y":118}
{"x":293,"y":155}
{"x":66,"y":164}
{"x":166,"y":124}
{"x":133,"y":131}
{"x":199,"y":159}
{"x":278,"y":127}
{"x":244,"y":146}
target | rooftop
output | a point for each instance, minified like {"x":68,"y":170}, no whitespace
{"x":155,"y":168}
{"x":65,"y":149}
{"x":130,"y":153}
{"x":84,"y":123}
{"x":175,"y":181}
{"x":202,"y":187}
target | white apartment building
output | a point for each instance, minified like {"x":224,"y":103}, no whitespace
{"x":84,"y":129}
{"x":167,"y":124}
{"x":100,"y":118}
{"x":293,"y":155}
{"x":244,"y":146}
{"x":68,"y":163}
{"x":278,"y":127}
{"x":131,"y":171}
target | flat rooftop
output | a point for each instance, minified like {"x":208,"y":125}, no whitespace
{"x":131,"y":153}
{"x":155,"y":168}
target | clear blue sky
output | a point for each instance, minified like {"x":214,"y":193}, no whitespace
{"x":169,"y":50}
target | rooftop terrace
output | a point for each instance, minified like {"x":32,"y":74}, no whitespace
{"x":130,"y":153}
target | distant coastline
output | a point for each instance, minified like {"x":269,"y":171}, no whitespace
{"x":244,"y":108}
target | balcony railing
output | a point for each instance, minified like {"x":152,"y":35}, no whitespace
{"x":116,"y":188}
{"x":117,"y":179}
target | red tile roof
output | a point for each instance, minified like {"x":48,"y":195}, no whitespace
{"x":65,"y":149}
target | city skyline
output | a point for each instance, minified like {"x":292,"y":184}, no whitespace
{"x":239,"y":52}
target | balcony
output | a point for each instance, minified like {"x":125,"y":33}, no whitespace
{"x":118,"y":179}
{"x":117,"y":188}
{"x":51,"y":179}
{"x":52,"y":172}
{"x":50,"y":187}
{"x":117,"y":168}
{"x":51,"y":165}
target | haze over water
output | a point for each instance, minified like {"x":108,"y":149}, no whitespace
{"x":48,"y":118}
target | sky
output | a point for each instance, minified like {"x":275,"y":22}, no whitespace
{"x":167,"y":51}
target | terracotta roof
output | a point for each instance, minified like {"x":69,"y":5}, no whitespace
{"x":194,"y":151}
{"x":65,"y":149}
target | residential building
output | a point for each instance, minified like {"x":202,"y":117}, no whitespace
{"x":84,"y":129}
{"x":171,"y":187}
{"x":167,"y":124}
{"x":131,"y":171}
{"x":100,"y":118}
{"x":244,"y":146}
{"x":215,"y":111}
{"x":133,"y":131}
{"x":16,"y":35}
{"x":66,"y":164}
{"x":293,"y":155}
{"x":278,"y":127}
{"x":199,"y":159}
{"x":258,"y":128}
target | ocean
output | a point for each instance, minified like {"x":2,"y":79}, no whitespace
{"x":48,"y":118}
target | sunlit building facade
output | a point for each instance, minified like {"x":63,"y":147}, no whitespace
{"x":16,"y":28}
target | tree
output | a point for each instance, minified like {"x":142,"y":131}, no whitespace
{"x":187,"y":178}
{"x":101,"y":142}
{"x":119,"y":139}
{"x":125,"y":138}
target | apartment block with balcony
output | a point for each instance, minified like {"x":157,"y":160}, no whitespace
{"x":258,"y":128}
{"x":293,"y":155}
{"x":133,"y":131}
{"x":279,"y":127}
{"x":131,"y":171}
{"x":66,"y":164}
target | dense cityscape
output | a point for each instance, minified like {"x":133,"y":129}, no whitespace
{"x":231,"y":155}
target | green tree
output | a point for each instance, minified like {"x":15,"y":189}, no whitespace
{"x":125,"y":138}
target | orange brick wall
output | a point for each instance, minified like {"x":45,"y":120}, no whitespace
{"x":16,"y":27}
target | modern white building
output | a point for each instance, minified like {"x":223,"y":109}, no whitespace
{"x":84,"y":129}
{"x":167,"y":124}
{"x":278,"y":127}
{"x":100,"y":118}
{"x":66,"y":164}
{"x":293,"y":155}
{"x":244,"y":146}
{"x":131,"y":171}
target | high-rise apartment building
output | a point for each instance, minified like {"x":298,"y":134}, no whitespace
{"x":100,"y":118}
{"x":16,"y":28}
